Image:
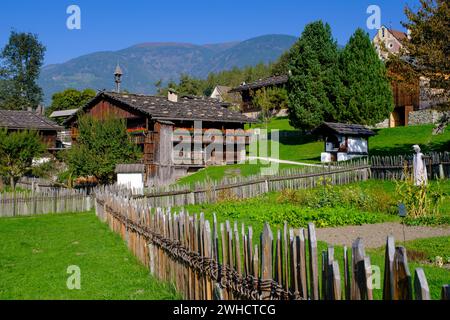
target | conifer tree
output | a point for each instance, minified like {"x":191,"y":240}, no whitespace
{"x":314,"y":85}
{"x":368,"y":96}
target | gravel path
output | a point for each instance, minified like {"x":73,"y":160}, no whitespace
{"x":374,"y":235}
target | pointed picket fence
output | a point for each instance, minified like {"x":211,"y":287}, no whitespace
{"x":253,"y":186}
{"x":392,"y":167}
{"x":44,"y":202}
{"x":209,"y":260}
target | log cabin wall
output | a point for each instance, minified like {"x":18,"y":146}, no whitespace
{"x":105,"y":109}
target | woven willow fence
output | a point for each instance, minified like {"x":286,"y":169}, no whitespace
{"x":250,"y":187}
{"x":392,"y":167}
{"x":207,"y":260}
{"x":43,"y":202}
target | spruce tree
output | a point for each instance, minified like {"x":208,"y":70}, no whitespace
{"x":368,"y":96}
{"x":314,"y":86}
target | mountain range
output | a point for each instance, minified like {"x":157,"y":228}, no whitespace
{"x":146,"y":63}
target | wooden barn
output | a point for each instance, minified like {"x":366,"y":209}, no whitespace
{"x":14,"y":120}
{"x":158,"y":124}
{"x":248,"y":89}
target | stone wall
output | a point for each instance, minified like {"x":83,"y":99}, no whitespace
{"x":427,"y":116}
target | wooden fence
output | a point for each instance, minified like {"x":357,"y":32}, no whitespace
{"x":210,"y":260}
{"x":49,"y":201}
{"x":392,"y":167}
{"x":249,"y":187}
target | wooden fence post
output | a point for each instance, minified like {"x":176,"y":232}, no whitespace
{"x":388,"y":285}
{"x":422,"y":292}
{"x":445,"y":293}
{"x":360,"y":269}
{"x":266,"y":262}
{"x":346,"y":274}
{"x":302,"y":264}
{"x":402,"y":276}
{"x":313,"y":265}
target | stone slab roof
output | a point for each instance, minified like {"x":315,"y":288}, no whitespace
{"x":344,"y":129}
{"x":187,"y":108}
{"x":13,"y":119}
{"x":261,"y":83}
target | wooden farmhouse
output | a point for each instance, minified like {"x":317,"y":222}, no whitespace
{"x":14,"y":120}
{"x":344,"y":141}
{"x":158,"y":124}
{"x":248,"y":89}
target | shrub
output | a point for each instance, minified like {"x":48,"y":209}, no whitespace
{"x":421,"y":202}
{"x":351,"y":197}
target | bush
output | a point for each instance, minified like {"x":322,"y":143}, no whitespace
{"x":265,"y":209}
{"x":351,"y":197}
{"x":422,"y":202}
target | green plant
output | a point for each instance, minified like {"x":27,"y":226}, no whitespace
{"x":17,"y":151}
{"x":422,"y":201}
{"x":101,"y":145}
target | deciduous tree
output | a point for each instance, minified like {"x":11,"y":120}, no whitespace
{"x":101,"y":145}
{"x":17,"y":151}
{"x":69,"y":99}
{"x":20,"y":64}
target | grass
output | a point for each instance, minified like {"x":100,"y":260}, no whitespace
{"x":36,"y":251}
{"x":217,"y":173}
{"x":421,"y":253}
{"x":281,"y":123}
{"x":399,"y":140}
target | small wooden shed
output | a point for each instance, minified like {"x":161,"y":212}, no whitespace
{"x":131,"y":176}
{"x":344,"y":141}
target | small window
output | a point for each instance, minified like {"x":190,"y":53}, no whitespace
{"x":382,"y":32}
{"x":391,"y":45}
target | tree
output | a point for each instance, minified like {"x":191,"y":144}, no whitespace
{"x":368,"y":96}
{"x":281,"y":66}
{"x":269,"y":100}
{"x":101,"y":145}
{"x":69,"y":99}
{"x":428,"y":48}
{"x":428,"y":45}
{"x":17,"y":151}
{"x":20,"y":64}
{"x":314,"y":87}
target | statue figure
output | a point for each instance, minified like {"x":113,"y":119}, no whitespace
{"x":419,"y":168}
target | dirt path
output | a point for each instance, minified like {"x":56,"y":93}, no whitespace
{"x":374,"y":235}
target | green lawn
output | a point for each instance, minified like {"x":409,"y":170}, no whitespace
{"x":217,"y":173}
{"x":281,"y":124}
{"x":36,"y":251}
{"x":399,"y":140}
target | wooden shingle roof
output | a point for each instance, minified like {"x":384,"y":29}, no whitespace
{"x":187,"y":108}
{"x":344,"y":129}
{"x":261,"y":83}
{"x":20,"y":120}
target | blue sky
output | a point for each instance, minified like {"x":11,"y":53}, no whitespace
{"x":113,"y":24}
